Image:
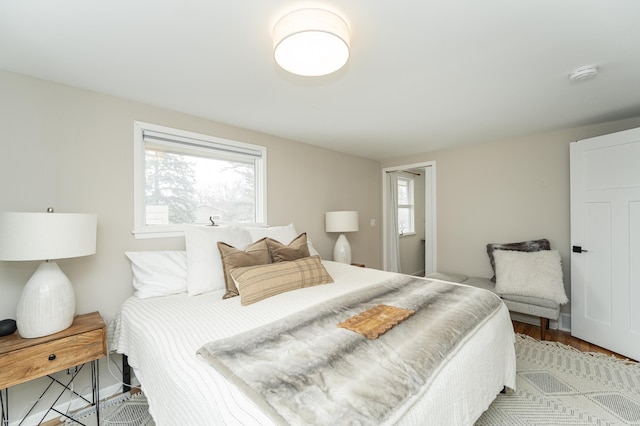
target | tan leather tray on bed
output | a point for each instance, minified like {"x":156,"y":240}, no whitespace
{"x":376,"y":321}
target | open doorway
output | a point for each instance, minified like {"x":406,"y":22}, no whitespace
{"x":409,"y":221}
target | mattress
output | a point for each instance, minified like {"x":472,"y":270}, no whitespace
{"x":162,"y":335}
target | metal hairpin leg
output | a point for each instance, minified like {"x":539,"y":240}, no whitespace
{"x":95,"y":390}
{"x":4,"y":407}
{"x":95,"y":384}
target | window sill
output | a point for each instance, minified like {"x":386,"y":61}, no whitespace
{"x":142,"y":235}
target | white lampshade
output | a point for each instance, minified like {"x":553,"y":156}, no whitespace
{"x":47,"y":303}
{"x":311,"y":42}
{"x":342,"y":221}
{"x":46,"y":236}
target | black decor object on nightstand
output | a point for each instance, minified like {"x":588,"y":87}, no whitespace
{"x":7,"y":327}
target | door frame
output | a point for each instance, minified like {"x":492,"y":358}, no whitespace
{"x":429,"y":209}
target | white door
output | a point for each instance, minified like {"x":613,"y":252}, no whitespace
{"x":605,"y":239}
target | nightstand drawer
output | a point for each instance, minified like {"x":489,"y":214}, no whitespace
{"x":29,"y":363}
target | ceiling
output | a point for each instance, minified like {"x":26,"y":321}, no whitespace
{"x":423,"y":75}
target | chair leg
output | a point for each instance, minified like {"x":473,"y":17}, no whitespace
{"x":544,"y":325}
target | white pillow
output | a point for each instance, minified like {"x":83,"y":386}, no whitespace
{"x":158,"y":273}
{"x":312,"y":249}
{"x":204,"y":265}
{"x":283,"y":234}
{"x":535,"y":274}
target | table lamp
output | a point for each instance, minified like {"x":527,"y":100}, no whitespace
{"x":342,"y":221}
{"x":47,"y":304}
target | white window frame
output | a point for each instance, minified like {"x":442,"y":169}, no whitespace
{"x":190,"y":142}
{"x":410,"y":205}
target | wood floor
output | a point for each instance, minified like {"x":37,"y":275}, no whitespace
{"x":563,"y":337}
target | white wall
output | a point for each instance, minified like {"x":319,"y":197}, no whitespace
{"x":73,"y":150}
{"x":504,"y":191}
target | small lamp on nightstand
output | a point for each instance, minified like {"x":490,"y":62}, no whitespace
{"x":47,"y":304}
{"x":342,"y":221}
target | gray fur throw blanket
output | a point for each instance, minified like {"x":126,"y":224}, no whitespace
{"x":305,"y":370}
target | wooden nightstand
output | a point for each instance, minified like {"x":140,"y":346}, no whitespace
{"x":22,"y":360}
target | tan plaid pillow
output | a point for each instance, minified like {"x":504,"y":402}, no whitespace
{"x":256,"y":254}
{"x":256,"y":283}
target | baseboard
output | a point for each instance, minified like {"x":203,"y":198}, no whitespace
{"x":565,"y":322}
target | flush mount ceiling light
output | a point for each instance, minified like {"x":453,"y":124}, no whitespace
{"x":583,"y":73}
{"x":311,"y":42}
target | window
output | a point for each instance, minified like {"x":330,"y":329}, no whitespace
{"x":188,"y":178}
{"x":405,"y":206}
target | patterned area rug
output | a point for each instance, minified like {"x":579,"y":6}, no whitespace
{"x":129,"y":410}
{"x":556,"y":385}
{"x":559,"y":385}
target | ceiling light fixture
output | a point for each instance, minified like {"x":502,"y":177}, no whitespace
{"x":311,"y":42}
{"x":583,"y":73}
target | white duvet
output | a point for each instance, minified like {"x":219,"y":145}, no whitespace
{"x":162,"y":335}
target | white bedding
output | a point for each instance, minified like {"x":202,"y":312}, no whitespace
{"x":162,"y":335}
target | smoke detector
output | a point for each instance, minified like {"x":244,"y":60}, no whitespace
{"x":583,"y":73}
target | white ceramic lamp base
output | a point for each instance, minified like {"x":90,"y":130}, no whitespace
{"x":47,"y":304}
{"x":342,"y":250}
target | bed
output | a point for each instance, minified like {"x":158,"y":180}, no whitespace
{"x":163,"y":335}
